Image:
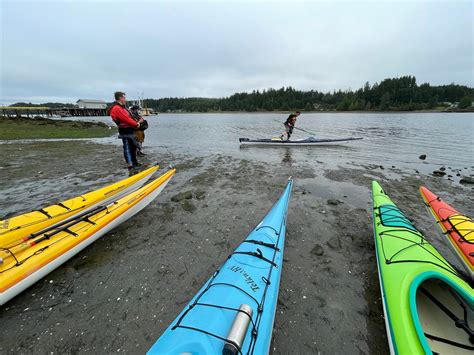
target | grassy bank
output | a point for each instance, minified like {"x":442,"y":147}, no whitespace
{"x":43,"y":128}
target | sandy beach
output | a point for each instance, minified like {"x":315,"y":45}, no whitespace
{"x":121,"y":293}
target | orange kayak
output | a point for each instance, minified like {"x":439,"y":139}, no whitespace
{"x":458,"y":229}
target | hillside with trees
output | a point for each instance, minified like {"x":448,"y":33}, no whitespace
{"x":395,"y":94}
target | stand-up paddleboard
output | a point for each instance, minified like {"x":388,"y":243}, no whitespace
{"x":310,"y":141}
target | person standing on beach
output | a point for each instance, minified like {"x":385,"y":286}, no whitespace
{"x":290,"y":125}
{"x":126,"y":128}
{"x":139,"y":132}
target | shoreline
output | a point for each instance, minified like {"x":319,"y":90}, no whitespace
{"x":311,"y":112}
{"x":126,"y":288}
{"x":20,"y":128}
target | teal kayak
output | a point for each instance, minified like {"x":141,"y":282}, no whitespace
{"x":233,"y":312}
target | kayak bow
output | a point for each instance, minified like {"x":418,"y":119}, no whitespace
{"x":428,"y":308}
{"x":458,"y":229}
{"x":27,"y":262}
{"x":15,"y":229}
{"x":233,"y":313}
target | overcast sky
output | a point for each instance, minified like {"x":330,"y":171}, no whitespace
{"x":66,"y":50}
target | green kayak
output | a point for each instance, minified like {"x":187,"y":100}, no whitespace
{"x":428,"y":307}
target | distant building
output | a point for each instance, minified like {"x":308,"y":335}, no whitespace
{"x":99,"y":104}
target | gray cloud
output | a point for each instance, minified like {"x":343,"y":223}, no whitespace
{"x":69,"y":50}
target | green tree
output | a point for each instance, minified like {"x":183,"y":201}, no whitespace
{"x":465,"y":102}
{"x":385,"y":101}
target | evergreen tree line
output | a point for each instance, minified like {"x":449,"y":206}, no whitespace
{"x":397,"y":94}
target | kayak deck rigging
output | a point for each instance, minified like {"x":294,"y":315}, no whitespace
{"x":392,"y":216}
{"x":255,"y":321}
{"x":428,"y":306}
{"x":234,"y":311}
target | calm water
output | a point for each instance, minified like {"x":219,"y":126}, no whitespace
{"x":389,"y":139}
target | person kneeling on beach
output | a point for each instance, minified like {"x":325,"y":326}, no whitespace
{"x":126,"y":128}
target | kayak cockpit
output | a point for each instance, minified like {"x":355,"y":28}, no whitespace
{"x":443,"y":315}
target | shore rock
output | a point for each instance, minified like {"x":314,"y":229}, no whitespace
{"x":200,"y":194}
{"x":438,"y":173}
{"x":188,"y":206}
{"x":187,"y":195}
{"x":333,"y":202}
{"x":467,"y":180}
{"x":422,"y":156}
{"x":317,"y":250}
{"x":334,"y":243}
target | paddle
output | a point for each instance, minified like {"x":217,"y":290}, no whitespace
{"x":300,"y":129}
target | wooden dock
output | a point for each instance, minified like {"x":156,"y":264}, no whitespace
{"x":9,"y":111}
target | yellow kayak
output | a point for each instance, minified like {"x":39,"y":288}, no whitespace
{"x":15,"y":229}
{"x":28,"y":261}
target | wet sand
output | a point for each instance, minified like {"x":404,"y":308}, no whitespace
{"x":121,"y":293}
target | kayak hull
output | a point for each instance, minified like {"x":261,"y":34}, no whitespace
{"x":250,"y":277}
{"x":408,"y":265}
{"x":293,"y":143}
{"x":457,"y":229}
{"x":105,"y":221}
{"x":18,"y":227}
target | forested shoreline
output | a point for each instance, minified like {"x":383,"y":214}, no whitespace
{"x":394,"y":94}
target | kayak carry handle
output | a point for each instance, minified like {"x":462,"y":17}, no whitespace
{"x":238,"y":330}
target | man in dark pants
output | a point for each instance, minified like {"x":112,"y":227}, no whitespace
{"x":126,"y":128}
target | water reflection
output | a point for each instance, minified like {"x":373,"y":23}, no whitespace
{"x":287,"y":157}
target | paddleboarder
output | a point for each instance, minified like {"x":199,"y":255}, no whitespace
{"x":126,"y":127}
{"x":290,"y":125}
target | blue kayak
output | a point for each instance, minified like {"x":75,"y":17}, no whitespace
{"x":233,"y":312}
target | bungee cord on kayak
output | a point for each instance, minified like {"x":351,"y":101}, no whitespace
{"x":259,"y":303}
{"x":46,"y":235}
{"x":407,"y":265}
{"x":47,"y":248}
{"x":455,"y":219}
{"x":245,"y":285}
{"x":457,"y":229}
{"x":391,"y":216}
